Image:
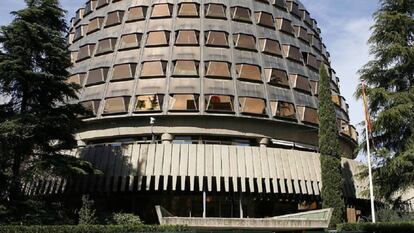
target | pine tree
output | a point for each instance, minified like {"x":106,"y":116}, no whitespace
{"x":330,"y":151}
{"x":36,"y":124}
{"x":389,"y":77}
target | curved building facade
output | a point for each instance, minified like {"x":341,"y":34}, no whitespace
{"x":232,"y":87}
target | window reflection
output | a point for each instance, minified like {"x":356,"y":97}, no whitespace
{"x":219,"y":103}
{"x":184,"y":102}
{"x":149,"y":103}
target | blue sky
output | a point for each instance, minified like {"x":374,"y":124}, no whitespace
{"x":345,"y":30}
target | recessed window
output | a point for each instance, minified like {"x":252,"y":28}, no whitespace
{"x":116,"y":105}
{"x":344,"y":127}
{"x":300,"y":82}
{"x":97,"y":76}
{"x":219,"y":103}
{"x":218,"y":69}
{"x":315,"y":42}
{"x":215,"y":11}
{"x":158,"y":38}
{"x":184,"y":102}
{"x":217,"y":39}
{"x":85,"y":52}
{"x":281,"y":109}
{"x":244,"y":41}
{"x":311,"y":61}
{"x":187,"y":37}
{"x":185,"y":68}
{"x":124,"y":71}
{"x":285,"y":25}
{"x":92,"y":106}
{"x":102,"y":3}
{"x":130,"y":41}
{"x":302,"y":33}
{"x":137,"y":13}
{"x":95,"y":24}
{"x":308,"y":115}
{"x":152,"y":69}
{"x":277,"y":77}
{"x":162,"y":11}
{"x":293,"y":8}
{"x":270,"y":47}
{"x":114,"y":18}
{"x":252,"y":106}
{"x":77,"y":79}
{"x":90,"y":6}
{"x":292,"y":52}
{"x":106,"y":46}
{"x":80,"y":32}
{"x":354,"y":133}
{"x":279,"y":4}
{"x":264,"y":19}
{"x":314,"y":87}
{"x":240,"y":14}
{"x":306,"y":17}
{"x":188,"y":9}
{"x":79,"y":15}
{"x":337,"y":100}
{"x":73,"y":56}
{"x":248,"y":72}
{"x":149,"y":103}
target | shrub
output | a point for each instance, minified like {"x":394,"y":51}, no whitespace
{"x":92,"y":229}
{"x":125,"y":219}
{"x":389,"y":227}
{"x":87,"y":214}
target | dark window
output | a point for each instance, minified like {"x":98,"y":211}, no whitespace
{"x":215,"y":11}
{"x":85,"y":52}
{"x":124,"y":71}
{"x":137,"y":13}
{"x":188,"y":9}
{"x":292,"y":53}
{"x":302,"y":33}
{"x":114,"y":18}
{"x":152,"y":69}
{"x":300,"y":82}
{"x":116,"y":105}
{"x":97,"y":76}
{"x":106,"y":46}
{"x":130,"y":41}
{"x":187,"y":37}
{"x":264,"y":19}
{"x":185,"y":68}
{"x":282,"y":109}
{"x":240,"y":14}
{"x":308,"y":115}
{"x":285,"y":25}
{"x":218,"y":69}
{"x":270,"y":47}
{"x":158,"y":38}
{"x":248,"y":72}
{"x":149,"y":103}
{"x":244,"y":41}
{"x":77,"y":79}
{"x":90,"y":6}
{"x":95,"y":24}
{"x":277,"y":77}
{"x":102,"y":3}
{"x":184,"y":102}
{"x":219,"y":103}
{"x":92,"y":106}
{"x":162,"y":10}
{"x":249,"y":105}
{"x":217,"y":38}
{"x":280,"y":4}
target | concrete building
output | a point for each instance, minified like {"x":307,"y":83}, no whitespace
{"x":232,"y":86}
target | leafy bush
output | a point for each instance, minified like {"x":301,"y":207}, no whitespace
{"x":389,"y":227}
{"x":92,"y":229}
{"x":125,"y":219}
{"x":87,"y":214}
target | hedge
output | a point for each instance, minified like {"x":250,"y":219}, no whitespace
{"x":92,"y":229}
{"x":386,"y":227}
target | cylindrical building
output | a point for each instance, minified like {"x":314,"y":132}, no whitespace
{"x":232,"y":86}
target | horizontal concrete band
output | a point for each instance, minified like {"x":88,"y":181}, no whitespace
{"x":186,"y":167}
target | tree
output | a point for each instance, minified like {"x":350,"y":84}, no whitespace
{"x":389,"y":78}
{"x":330,"y":151}
{"x":36,"y":121}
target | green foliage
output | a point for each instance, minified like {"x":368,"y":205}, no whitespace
{"x":392,"y":215}
{"x":389,"y":78}
{"x":391,"y":227}
{"x":329,"y":149}
{"x":125,"y":219}
{"x":36,"y":124}
{"x":87,"y":213}
{"x":92,"y":229}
